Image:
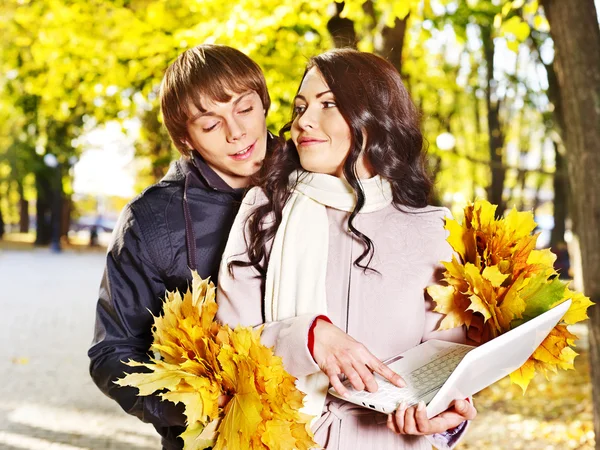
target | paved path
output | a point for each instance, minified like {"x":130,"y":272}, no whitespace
{"x":48,"y":400}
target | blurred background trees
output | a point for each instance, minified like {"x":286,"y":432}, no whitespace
{"x":509,"y":93}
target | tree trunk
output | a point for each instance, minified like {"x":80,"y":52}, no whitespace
{"x":341,"y":29}
{"x":1,"y":224}
{"x":560,"y":182}
{"x":561,"y":194}
{"x":495,"y":135}
{"x":65,"y":220}
{"x":574,"y":29}
{"x":393,"y":42}
{"x":23,"y":210}
{"x":43,"y":204}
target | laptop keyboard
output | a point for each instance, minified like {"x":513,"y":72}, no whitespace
{"x":420,"y":382}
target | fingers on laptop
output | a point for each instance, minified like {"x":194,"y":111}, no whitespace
{"x":335,"y":382}
{"x":387,"y":373}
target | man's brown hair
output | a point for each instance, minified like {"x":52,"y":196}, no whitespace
{"x":206,"y":72}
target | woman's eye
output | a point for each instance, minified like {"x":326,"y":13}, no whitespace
{"x":299,"y":109}
{"x":329,"y":104}
{"x":206,"y":130}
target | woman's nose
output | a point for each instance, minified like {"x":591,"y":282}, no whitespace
{"x":308,"y":119}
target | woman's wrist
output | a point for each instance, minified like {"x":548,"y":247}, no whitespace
{"x":311,"y":333}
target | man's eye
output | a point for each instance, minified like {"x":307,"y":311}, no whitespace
{"x":210,"y":128}
{"x":247,"y":110}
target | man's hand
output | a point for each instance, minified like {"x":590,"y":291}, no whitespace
{"x":414,"y":420}
{"x":337,"y":353}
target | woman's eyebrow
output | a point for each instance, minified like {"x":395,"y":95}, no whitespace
{"x":319,"y":95}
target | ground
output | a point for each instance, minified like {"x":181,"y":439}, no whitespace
{"x":50,"y":402}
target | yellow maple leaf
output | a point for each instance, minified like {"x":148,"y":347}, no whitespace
{"x":452,"y":304}
{"x":198,"y":436}
{"x":494,"y":276}
{"x":524,"y":374}
{"x":578,"y":309}
{"x":278,"y":435}
{"x":149,"y":383}
{"x":461,"y":239}
{"x":242,"y":413}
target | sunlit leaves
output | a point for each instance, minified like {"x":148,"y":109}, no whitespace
{"x":498,"y":274}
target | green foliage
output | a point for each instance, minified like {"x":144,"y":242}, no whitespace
{"x":69,"y":63}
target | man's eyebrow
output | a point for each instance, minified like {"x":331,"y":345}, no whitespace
{"x":210,"y":113}
{"x":319,"y":95}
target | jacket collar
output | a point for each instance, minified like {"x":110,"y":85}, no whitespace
{"x":199,"y":173}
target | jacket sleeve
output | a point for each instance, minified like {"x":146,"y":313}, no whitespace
{"x":130,"y":293}
{"x":240,"y":297}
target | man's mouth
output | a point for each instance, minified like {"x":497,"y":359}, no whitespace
{"x":244,"y":153}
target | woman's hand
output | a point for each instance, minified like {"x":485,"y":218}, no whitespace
{"x":414,"y":420}
{"x":337,"y":353}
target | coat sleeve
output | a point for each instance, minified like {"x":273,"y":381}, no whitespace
{"x":240,"y":297}
{"x":130,"y":292}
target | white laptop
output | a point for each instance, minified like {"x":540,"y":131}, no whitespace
{"x":438,"y":372}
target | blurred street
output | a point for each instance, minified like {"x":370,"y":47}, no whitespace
{"x":48,"y":398}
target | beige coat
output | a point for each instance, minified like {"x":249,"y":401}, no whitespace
{"x":386,"y":311}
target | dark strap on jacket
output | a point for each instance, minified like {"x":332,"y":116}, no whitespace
{"x":190,"y":238}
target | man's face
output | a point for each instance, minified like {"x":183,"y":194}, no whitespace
{"x":231,"y":136}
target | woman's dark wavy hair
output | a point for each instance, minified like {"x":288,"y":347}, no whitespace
{"x":376,"y":106}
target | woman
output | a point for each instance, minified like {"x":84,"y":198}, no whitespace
{"x":335,"y":251}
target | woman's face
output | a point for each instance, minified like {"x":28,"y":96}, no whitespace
{"x":319,"y":131}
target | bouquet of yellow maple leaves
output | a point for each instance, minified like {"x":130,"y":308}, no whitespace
{"x":201,"y":360}
{"x":497,"y":272}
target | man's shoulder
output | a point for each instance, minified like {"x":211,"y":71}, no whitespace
{"x":153,"y":199}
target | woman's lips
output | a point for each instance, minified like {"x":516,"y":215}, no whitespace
{"x":309,"y":142}
{"x":244,"y":154}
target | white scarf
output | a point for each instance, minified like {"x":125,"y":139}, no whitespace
{"x":297,"y":269}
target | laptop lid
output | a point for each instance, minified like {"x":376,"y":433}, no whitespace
{"x":488,"y":363}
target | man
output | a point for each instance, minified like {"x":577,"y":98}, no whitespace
{"x":214,"y":101}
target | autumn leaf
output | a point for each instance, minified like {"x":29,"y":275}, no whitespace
{"x":578,"y":309}
{"x":242,"y":413}
{"x":540,"y":293}
{"x":523,"y":375}
{"x":278,"y":435}
{"x":200,"y":437}
{"x":202,"y":360}
{"x":445,"y":298}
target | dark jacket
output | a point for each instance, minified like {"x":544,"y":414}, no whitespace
{"x":182,"y":222}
